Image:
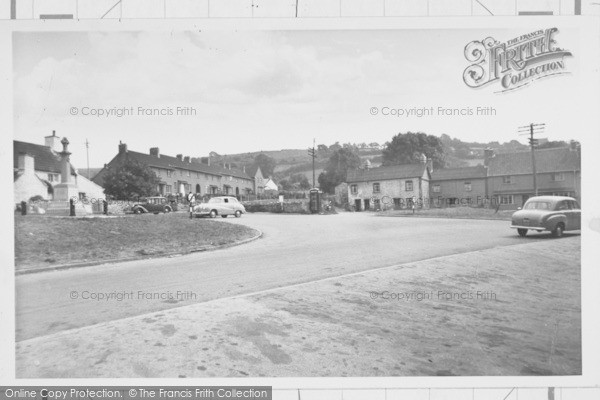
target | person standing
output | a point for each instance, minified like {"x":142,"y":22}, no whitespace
{"x":191,"y":198}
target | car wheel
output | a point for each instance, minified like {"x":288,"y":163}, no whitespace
{"x":224,"y":216}
{"x":522,"y":232}
{"x":238,"y":213}
{"x":138,"y":211}
{"x":213,"y":214}
{"x":558,"y":231}
{"x":167,"y":210}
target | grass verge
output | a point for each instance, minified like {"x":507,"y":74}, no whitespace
{"x":45,"y":241}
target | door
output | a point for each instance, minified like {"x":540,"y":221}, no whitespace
{"x":357,"y":204}
{"x":566,"y":207}
{"x":576,"y":212}
{"x":367,"y":204}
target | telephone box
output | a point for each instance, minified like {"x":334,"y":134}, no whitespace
{"x":315,"y":200}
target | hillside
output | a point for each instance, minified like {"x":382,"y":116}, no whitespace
{"x":297,"y":161}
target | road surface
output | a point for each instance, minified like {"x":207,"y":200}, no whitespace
{"x":293,"y":249}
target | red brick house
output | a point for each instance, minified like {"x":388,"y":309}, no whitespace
{"x":459,"y":186}
{"x":510,"y":176}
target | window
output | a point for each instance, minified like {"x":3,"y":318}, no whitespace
{"x":507,"y":180}
{"x":408,"y":186}
{"x":376,"y":188}
{"x":188,"y":173}
{"x":436,"y":188}
{"x":169,"y":173}
{"x":353,"y":189}
{"x":168,"y":189}
{"x":558,"y":177}
{"x":507,"y":199}
{"x":468,"y":187}
{"x":537,"y":205}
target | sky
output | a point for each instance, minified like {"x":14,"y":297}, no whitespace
{"x":270,"y":90}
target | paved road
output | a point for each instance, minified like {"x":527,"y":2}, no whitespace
{"x":294,"y":249}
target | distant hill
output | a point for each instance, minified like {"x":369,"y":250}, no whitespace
{"x":297,"y":161}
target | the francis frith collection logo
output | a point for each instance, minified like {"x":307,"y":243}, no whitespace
{"x":516,"y":62}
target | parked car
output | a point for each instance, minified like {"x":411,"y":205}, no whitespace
{"x":221,"y":205}
{"x":556,"y":214}
{"x":152,"y":205}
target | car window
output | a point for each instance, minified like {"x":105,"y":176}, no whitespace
{"x":214,"y":200}
{"x":537,"y":205}
{"x":562,"y":205}
{"x":576,"y":206}
{"x":226,"y":200}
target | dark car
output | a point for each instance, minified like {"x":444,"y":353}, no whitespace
{"x":152,"y":205}
{"x":556,"y":214}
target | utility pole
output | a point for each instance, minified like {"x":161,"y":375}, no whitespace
{"x":313,"y":154}
{"x":13,"y":9}
{"x":87,"y":152}
{"x":531,"y":130}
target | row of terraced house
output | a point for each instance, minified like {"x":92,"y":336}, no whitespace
{"x":183,"y":174}
{"x":505,"y":180}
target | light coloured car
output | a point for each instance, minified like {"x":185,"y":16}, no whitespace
{"x":548,"y":213}
{"x":221,"y":205}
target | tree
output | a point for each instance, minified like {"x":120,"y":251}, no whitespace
{"x":267,"y":164}
{"x":130,"y":180}
{"x":300,"y":181}
{"x":551,"y":144}
{"x":406,"y":148}
{"x":337,"y":167}
{"x":335,"y":147}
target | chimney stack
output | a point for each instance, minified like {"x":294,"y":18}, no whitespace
{"x":26,"y":163}
{"x":179,"y":157}
{"x":53,"y":142}
{"x":154,"y":151}
{"x":122,"y":147}
{"x":186,"y":159}
{"x":487,"y":155}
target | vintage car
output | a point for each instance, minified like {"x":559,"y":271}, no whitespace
{"x":221,"y":205}
{"x":548,"y":213}
{"x":152,"y":205}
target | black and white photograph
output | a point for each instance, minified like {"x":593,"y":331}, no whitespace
{"x":258,"y":202}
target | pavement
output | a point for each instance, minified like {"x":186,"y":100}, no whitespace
{"x":511,"y":310}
